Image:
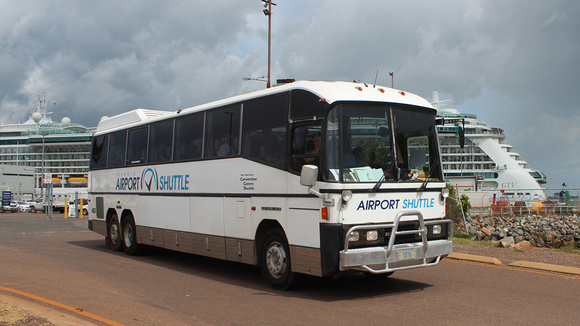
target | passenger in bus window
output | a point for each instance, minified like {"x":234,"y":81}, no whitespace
{"x":313,"y":147}
{"x":225,"y":149}
{"x":161,"y":154}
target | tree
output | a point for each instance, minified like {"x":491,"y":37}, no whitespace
{"x":453,"y":210}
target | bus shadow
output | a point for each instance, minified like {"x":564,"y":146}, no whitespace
{"x":348,"y":287}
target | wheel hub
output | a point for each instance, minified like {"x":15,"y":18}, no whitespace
{"x":276,"y":260}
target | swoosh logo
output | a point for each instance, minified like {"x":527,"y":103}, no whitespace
{"x":148,"y":177}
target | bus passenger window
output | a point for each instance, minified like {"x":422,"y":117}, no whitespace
{"x":99,"y":152}
{"x":117,"y":146}
{"x":222,"y":132}
{"x":264,"y":130}
{"x":137,"y":145}
{"x":188,"y":137}
{"x":160,"y":142}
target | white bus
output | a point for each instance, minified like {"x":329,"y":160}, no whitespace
{"x":308,"y":177}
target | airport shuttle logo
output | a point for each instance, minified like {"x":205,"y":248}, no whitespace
{"x":148,"y":178}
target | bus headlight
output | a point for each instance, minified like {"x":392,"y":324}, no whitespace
{"x":346,"y":195}
{"x":437,"y":229}
{"x":372,"y":235}
{"x":353,"y":236}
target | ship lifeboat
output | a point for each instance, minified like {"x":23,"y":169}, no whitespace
{"x":56,"y":181}
{"x":537,"y":207}
{"x":77,"y":181}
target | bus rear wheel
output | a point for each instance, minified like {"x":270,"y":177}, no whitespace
{"x":114,"y":234}
{"x":130,"y":237}
{"x":275,"y":262}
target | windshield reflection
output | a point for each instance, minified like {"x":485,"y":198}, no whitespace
{"x":368,"y":143}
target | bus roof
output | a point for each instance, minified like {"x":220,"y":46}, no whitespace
{"x":331,"y":91}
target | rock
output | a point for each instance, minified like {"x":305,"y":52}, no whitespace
{"x":507,"y":242}
{"x":486,"y":232}
{"x":542,"y":231}
{"x":522,"y":245}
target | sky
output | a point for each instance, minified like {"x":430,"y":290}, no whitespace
{"x":515,"y":64}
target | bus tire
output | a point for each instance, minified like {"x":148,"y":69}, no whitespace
{"x":275,"y":262}
{"x":114,"y":234}
{"x":130,"y":237}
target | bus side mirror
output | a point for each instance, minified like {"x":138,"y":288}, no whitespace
{"x":308,"y":175}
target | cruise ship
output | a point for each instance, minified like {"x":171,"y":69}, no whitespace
{"x":63,"y":146}
{"x":487,"y":157}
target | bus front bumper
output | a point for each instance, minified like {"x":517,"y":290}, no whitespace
{"x":384,"y":259}
{"x":402,"y":256}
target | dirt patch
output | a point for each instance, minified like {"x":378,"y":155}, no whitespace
{"x":14,"y":316}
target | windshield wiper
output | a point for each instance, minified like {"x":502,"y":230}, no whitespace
{"x":383,"y":177}
{"x":427,"y":177}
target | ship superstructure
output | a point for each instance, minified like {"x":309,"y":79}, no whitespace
{"x":64,"y":148}
{"x":487,"y":156}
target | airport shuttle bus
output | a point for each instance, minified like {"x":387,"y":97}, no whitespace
{"x":308,"y":177}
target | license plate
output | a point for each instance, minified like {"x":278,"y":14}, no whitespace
{"x":406,"y":254}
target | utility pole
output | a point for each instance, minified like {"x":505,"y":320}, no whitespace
{"x":268,"y":12}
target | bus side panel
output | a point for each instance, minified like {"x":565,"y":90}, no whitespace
{"x":207,"y":215}
{"x":306,"y":260}
{"x":237,"y":218}
{"x":150,"y":236}
{"x":304,"y":235}
{"x":241,"y":251}
{"x":172,"y":214}
{"x":303,"y":222}
{"x":98,"y":226}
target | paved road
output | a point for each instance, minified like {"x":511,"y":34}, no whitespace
{"x":61,"y":261}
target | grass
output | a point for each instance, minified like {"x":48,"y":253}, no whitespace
{"x":569,"y":249}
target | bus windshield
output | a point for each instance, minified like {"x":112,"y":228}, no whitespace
{"x":378,"y":142}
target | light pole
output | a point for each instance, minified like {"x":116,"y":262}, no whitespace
{"x":37,"y":117}
{"x":268,"y":12}
{"x":257,"y":79}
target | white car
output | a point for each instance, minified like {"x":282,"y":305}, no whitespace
{"x":36,"y":206}
{"x":23,"y":206}
{"x":13,"y":207}
{"x":71,"y":206}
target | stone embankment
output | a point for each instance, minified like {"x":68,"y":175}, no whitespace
{"x":540,"y":231}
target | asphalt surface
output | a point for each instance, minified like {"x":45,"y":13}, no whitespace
{"x":59,"y":314}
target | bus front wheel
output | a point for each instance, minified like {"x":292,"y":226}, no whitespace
{"x":130,"y":237}
{"x":114,"y":234}
{"x":275,"y":262}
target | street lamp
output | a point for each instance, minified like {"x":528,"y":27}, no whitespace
{"x":268,"y":12}
{"x":37,"y":117}
{"x":257,"y":79}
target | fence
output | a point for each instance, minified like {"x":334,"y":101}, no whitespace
{"x":483,"y":204}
